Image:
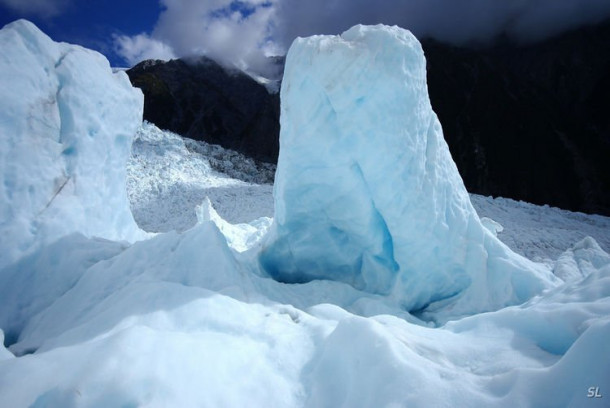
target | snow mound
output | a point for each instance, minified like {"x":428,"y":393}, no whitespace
{"x":582,"y":259}
{"x":66,"y":123}
{"x":366,"y":191}
{"x":4,"y":353}
{"x":33,"y":283}
{"x":240,"y":237}
{"x":180,"y":320}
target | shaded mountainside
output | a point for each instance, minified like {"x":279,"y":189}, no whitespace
{"x":529,"y":122}
{"x":202,"y":100}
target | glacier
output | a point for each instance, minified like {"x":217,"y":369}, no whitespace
{"x":167,"y":177}
{"x":67,"y":123}
{"x":108,"y":315}
{"x":366,"y":191}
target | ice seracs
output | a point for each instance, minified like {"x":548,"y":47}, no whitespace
{"x":66,"y":123}
{"x":366,"y":191}
{"x":188,"y":319}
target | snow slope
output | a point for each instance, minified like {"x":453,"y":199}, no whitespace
{"x":189,"y":318}
{"x":166,"y":181}
{"x":541,"y":233}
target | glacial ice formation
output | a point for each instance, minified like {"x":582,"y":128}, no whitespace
{"x":66,"y":130}
{"x":181,"y":319}
{"x":366,"y":191}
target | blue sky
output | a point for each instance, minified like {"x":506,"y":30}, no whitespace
{"x":92,"y":23}
{"x":244,"y":32}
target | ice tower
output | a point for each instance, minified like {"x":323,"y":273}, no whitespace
{"x":366,"y":191}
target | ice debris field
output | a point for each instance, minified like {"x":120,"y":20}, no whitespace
{"x":134,"y":273}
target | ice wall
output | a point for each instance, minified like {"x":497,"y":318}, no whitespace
{"x":66,"y":125}
{"x":366,"y":191}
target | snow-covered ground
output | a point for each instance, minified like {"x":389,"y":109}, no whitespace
{"x":189,"y":317}
{"x":541,"y":233}
{"x":166,"y":182}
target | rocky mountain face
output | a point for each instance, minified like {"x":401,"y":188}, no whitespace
{"x":201,"y":100}
{"x":529,"y":122}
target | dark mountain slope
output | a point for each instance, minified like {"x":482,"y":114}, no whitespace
{"x":529,"y":122}
{"x":201,"y":100}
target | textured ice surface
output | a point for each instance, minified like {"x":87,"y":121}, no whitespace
{"x":241,"y":236}
{"x":66,"y":123}
{"x":166,"y":181}
{"x":4,"y":353}
{"x":541,"y":233}
{"x":33,"y":283}
{"x":366,"y":191}
{"x":581,"y":260}
{"x":181,"y":319}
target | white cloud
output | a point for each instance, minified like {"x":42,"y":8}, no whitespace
{"x":141,"y":47}
{"x":233,"y":32}
{"x":243,"y":32}
{"x":41,"y":8}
